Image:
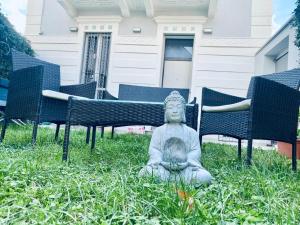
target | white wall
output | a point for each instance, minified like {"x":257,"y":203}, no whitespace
{"x":232,"y":19}
{"x":261,"y":21}
{"x":225,"y":65}
{"x":147,"y":25}
{"x":55,"y":20}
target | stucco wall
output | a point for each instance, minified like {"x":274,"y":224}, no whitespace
{"x":55,"y":21}
{"x":147,"y":25}
{"x":232,"y":19}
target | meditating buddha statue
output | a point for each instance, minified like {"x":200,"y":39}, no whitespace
{"x":175,"y":149}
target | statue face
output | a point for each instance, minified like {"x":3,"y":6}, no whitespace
{"x":174,"y":112}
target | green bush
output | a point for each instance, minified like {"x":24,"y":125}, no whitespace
{"x":9,"y":38}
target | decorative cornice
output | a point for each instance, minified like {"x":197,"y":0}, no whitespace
{"x":98,"y":19}
{"x":180,"y":19}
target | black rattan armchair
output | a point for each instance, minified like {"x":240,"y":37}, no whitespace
{"x":272,"y":114}
{"x":25,"y":100}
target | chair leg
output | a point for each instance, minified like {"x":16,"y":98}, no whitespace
{"x":66,"y":142}
{"x":57,"y":132}
{"x":200,"y":140}
{"x":34,"y":132}
{"x":4,"y":126}
{"x":239,"y":148}
{"x":112,"y":132}
{"x":249,"y":152}
{"x":88,"y":132}
{"x":93,"y":137}
{"x":294,"y":157}
{"x":102,"y":132}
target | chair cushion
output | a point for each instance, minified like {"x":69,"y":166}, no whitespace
{"x":59,"y":95}
{"x":239,"y":106}
{"x":2,"y":103}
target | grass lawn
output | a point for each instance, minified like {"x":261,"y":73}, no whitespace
{"x":36,"y":187}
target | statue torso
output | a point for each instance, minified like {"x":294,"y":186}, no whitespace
{"x":175,"y":142}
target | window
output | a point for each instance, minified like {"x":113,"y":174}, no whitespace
{"x":179,"y":49}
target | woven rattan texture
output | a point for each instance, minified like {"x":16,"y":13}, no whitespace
{"x":125,"y":113}
{"x":23,"y":99}
{"x":290,"y":78}
{"x":149,"y":94}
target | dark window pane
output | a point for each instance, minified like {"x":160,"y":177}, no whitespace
{"x":179,"y":49}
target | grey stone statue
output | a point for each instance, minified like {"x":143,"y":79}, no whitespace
{"x":175,"y":149}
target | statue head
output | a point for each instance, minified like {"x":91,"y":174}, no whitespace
{"x":174,"y":106}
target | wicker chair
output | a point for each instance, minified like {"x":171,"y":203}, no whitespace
{"x":25,"y":100}
{"x":142,"y":93}
{"x":272,"y":114}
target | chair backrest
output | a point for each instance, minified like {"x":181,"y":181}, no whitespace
{"x":51,"y":78}
{"x":290,"y":78}
{"x":149,"y":94}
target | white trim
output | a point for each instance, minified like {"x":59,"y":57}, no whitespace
{"x":181,"y":19}
{"x":123,"y":5}
{"x":98,"y":19}
{"x":69,"y":7}
{"x":149,"y":7}
{"x":212,"y":8}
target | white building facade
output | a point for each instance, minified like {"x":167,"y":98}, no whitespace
{"x":279,"y":53}
{"x":162,"y":43}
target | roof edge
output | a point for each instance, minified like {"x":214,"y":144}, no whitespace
{"x":287,"y":23}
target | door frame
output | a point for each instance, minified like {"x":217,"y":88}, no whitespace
{"x":175,"y":36}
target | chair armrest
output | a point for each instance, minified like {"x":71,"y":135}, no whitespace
{"x":274,"y":108}
{"x":59,"y":95}
{"x":214,"y":98}
{"x":84,"y":90}
{"x":235,"y":107}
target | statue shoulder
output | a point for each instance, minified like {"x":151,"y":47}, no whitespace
{"x":191,"y":130}
{"x":159,"y":130}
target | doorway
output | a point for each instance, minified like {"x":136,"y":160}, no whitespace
{"x":178,"y":63}
{"x":95,"y":60}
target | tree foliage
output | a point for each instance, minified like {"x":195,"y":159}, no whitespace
{"x":296,"y":23}
{"x":10,"y":38}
